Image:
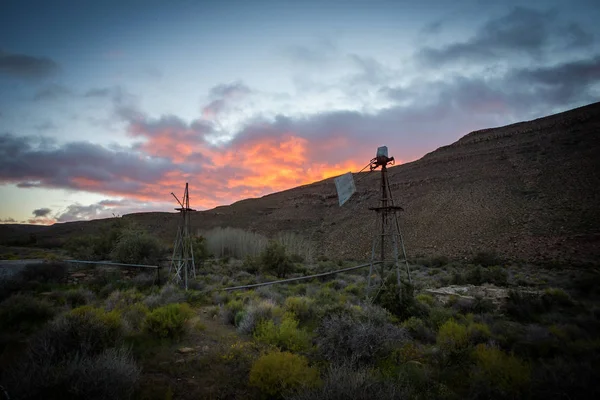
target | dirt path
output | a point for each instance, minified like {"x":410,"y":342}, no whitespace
{"x":194,"y":367}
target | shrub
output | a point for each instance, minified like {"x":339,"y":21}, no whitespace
{"x":497,"y":374}
{"x":486,"y":259}
{"x":136,"y":247}
{"x":110,"y":374}
{"x":275,"y":260}
{"x":82,"y":332}
{"x":524,"y":306}
{"x":286,"y":336}
{"x":401,"y":304}
{"x":343,"y":338}
{"x":343,"y":382}
{"x":426,"y":299}
{"x":121,"y":299}
{"x":496,"y":275}
{"x":168,"y":321}
{"x":418,"y":330}
{"x":24,"y":313}
{"x":229,"y":311}
{"x":478,"y":332}
{"x":556,"y":297}
{"x":439,"y":315}
{"x":144,"y":281}
{"x":301,"y":307}
{"x":51,"y":272}
{"x":277,"y":373}
{"x":168,"y":294}
{"x":452,"y":337}
{"x":79,"y":297}
{"x":251,"y":264}
{"x":254,"y":314}
{"x":134,"y":317}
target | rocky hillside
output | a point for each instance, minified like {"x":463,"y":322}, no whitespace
{"x":528,"y":191}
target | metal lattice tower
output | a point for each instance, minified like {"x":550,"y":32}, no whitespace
{"x":388,"y":233}
{"x":182,"y":265}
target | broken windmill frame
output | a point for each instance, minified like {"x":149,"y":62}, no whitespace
{"x":388,"y":232}
{"x":182,"y":265}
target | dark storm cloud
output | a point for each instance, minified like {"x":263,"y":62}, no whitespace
{"x":41,"y":212}
{"x":24,"y":66}
{"x":521,"y":31}
{"x":77,"y":165}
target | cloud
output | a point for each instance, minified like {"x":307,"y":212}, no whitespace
{"x":52,"y":92}
{"x":76,"y":212}
{"x":98,"y":92}
{"x":109,"y":208}
{"x":41,"y":212}
{"x":272,"y":153}
{"x":40,"y":221}
{"x":24,"y":66}
{"x":8,"y":221}
{"x":522,"y":31}
{"x":224,"y":96}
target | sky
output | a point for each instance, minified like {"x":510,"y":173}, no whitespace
{"x":106,"y":107}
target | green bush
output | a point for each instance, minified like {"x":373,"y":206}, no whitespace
{"x":418,"y":329}
{"x":77,"y":355}
{"x":344,"y":337}
{"x":97,"y":247}
{"x":275,"y":260}
{"x":168,"y":321}
{"x":478,"y":332}
{"x":279,"y":373}
{"x":229,"y":311}
{"x":121,"y":299}
{"x":286,"y":336}
{"x":496,"y":275}
{"x":134,"y":317}
{"x":400,"y":303}
{"x":452,"y":336}
{"x":301,"y":307}
{"x":426,"y":299}
{"x":497,"y":374}
{"x":136,"y":247}
{"x":439,"y":315}
{"x":85,"y":330}
{"x":79,"y":297}
{"x":553,"y":297}
{"x":523,"y":306}
{"x":24,"y":313}
{"x":255,"y":313}
{"x":344,"y":382}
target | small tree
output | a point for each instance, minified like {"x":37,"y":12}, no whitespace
{"x":136,"y":247}
{"x":200,"y":248}
{"x":275,"y":259}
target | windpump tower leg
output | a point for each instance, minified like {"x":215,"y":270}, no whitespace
{"x":387,"y":228}
{"x":182,"y":261}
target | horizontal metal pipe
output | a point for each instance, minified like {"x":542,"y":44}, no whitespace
{"x":297,"y":279}
{"x":111,"y":263}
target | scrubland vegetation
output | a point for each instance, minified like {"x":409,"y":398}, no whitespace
{"x":121,"y":337}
